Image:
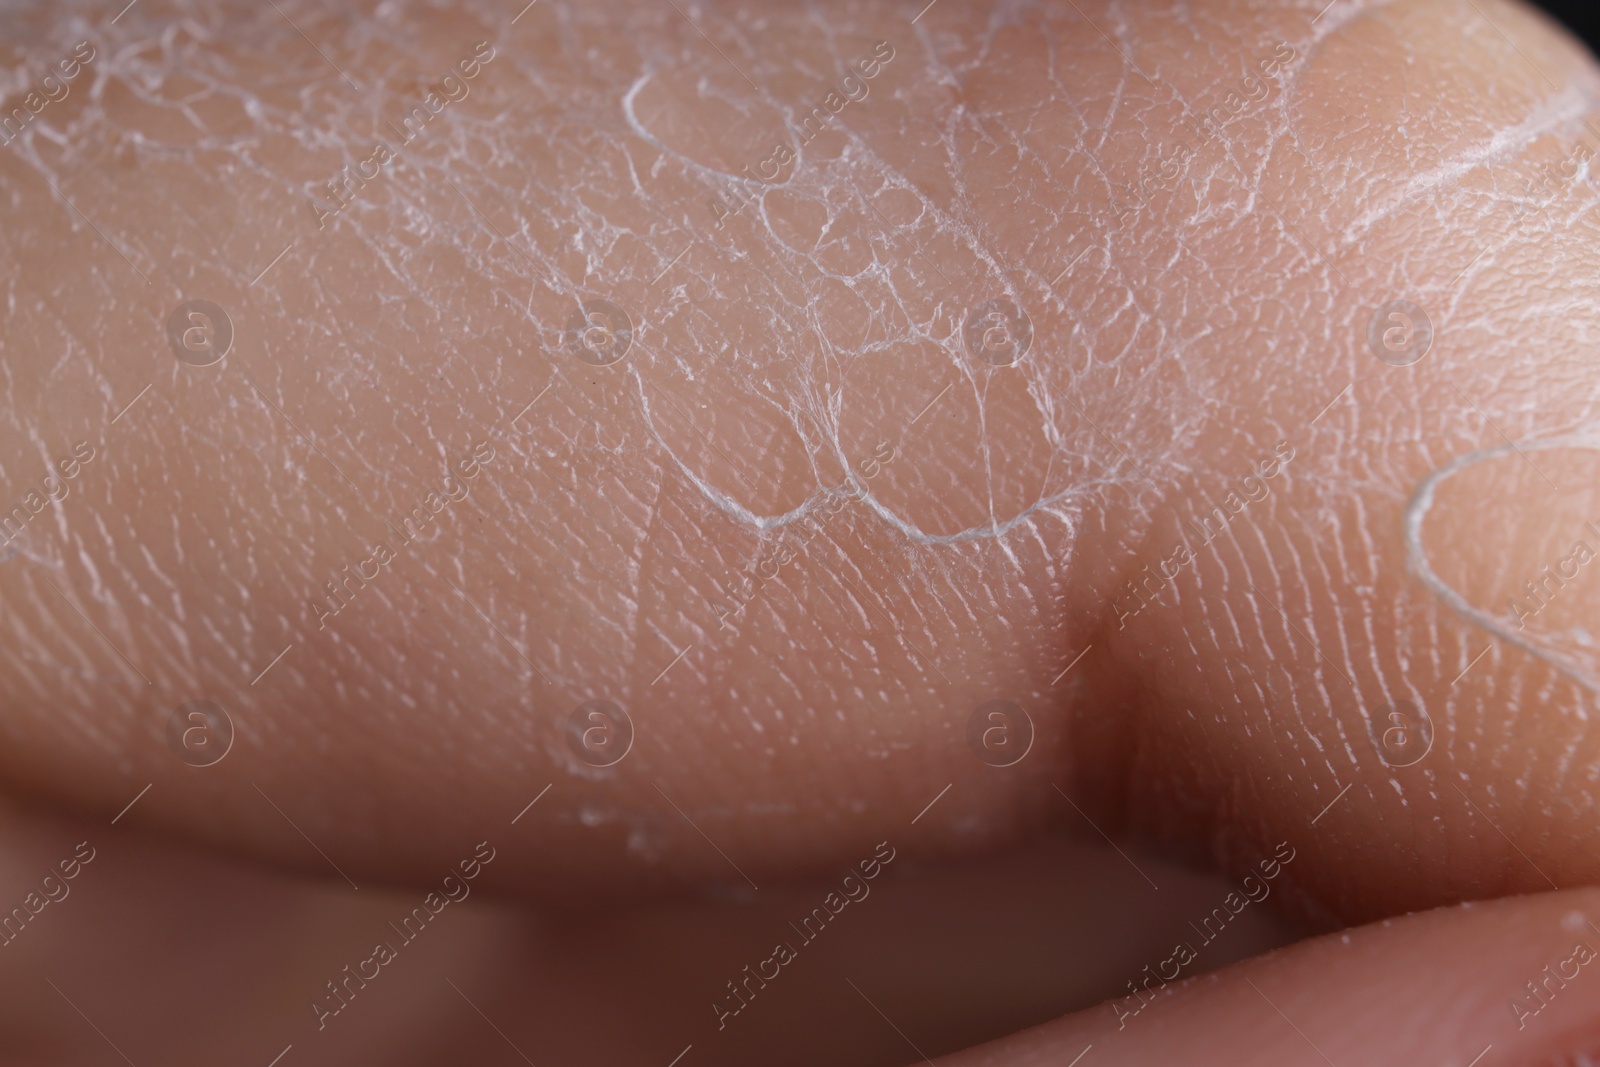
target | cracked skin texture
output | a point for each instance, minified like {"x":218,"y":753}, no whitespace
{"x":1180,"y":335}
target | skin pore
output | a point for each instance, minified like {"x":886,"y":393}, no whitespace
{"x":783,"y":495}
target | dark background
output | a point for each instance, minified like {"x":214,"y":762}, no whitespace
{"x":1582,"y":17}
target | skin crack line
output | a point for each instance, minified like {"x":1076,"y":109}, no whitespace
{"x":14,"y":521}
{"x":834,"y":501}
{"x":52,"y":89}
{"x":855,"y":889}
{"x":1554,"y":177}
{"x":1182,"y":555}
{"x":341,"y":189}
{"x":410,"y":528}
{"x":1551,"y":583}
{"x":1165,"y":171}
{"x":782,"y":155}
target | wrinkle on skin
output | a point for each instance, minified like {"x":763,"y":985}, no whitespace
{"x":1175,"y":342}
{"x":601,"y":986}
{"x":1416,"y":557}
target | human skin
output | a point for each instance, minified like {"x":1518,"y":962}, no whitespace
{"x":178,"y":957}
{"x":182,"y":957}
{"x":1176,"y":343}
{"x":1442,"y":987}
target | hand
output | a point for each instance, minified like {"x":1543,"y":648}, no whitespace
{"x":1211,"y":391}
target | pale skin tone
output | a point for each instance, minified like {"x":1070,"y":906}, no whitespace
{"x":817,"y":514}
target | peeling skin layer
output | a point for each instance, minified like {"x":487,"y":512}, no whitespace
{"x":1509,"y":623}
{"x":422,"y":421}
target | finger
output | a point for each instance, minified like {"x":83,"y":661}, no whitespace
{"x":795,"y":556}
{"x":1378,"y":646}
{"x":138,"y":937}
{"x":1506,"y":982}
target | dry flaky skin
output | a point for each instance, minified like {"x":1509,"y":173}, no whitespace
{"x":1199,"y":298}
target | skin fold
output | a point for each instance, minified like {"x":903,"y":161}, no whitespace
{"x":1443,"y":987}
{"x":183,"y":958}
{"x":789,"y":497}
